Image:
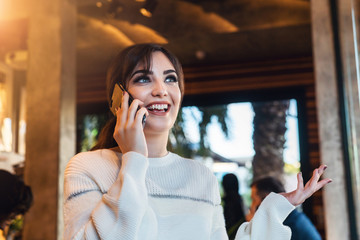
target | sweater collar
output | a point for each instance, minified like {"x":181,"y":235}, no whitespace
{"x":162,"y":161}
{"x":157,"y":162}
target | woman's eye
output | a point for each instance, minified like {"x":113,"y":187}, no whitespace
{"x":142,"y":79}
{"x":171,"y":79}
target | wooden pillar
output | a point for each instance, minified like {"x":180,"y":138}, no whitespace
{"x":331,"y":144}
{"x":51,"y":112}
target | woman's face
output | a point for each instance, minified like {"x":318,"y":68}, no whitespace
{"x":159,"y":90}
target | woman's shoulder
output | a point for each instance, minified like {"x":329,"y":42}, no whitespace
{"x":94,"y":160}
{"x":91,"y":170}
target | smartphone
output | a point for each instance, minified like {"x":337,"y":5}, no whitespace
{"x":116,"y":99}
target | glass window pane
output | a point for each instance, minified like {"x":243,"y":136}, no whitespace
{"x":230,"y":149}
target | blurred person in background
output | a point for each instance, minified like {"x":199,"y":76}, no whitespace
{"x":234,"y":212}
{"x":15,"y":200}
{"x":300,"y":225}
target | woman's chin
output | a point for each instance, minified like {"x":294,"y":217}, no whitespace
{"x":157,"y":127}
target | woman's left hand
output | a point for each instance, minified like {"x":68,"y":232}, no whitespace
{"x":302,"y":193}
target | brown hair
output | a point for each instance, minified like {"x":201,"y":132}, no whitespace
{"x":267,"y":185}
{"x":120,"y":71}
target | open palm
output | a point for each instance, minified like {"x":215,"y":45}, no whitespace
{"x":301,"y":193}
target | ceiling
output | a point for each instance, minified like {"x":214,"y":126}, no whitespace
{"x":199,"y":32}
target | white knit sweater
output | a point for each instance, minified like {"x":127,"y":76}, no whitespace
{"x":113,"y":196}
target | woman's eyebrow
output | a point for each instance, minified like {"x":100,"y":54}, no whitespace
{"x":169,"y":71}
{"x":141,"y":71}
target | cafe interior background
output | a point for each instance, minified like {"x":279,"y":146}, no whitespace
{"x":271,"y":88}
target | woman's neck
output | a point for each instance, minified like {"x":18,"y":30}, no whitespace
{"x":157,"y":144}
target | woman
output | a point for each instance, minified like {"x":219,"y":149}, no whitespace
{"x":133,"y":188}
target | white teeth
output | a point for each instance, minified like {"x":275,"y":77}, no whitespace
{"x":158,"y":106}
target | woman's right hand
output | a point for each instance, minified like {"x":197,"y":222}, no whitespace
{"x":128,"y":132}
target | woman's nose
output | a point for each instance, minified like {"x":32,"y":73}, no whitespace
{"x":159,"y":89}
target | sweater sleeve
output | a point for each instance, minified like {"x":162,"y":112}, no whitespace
{"x":218,"y":222}
{"x":218,"y":230}
{"x":267,"y":222}
{"x":121,"y":213}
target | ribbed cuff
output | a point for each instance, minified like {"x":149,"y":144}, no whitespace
{"x":134,"y":163}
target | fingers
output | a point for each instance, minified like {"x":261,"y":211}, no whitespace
{"x":124,"y":115}
{"x":322,"y":183}
{"x":127,"y":112}
{"x":133,"y":112}
{"x":300,"y":179}
{"x":317,"y":174}
{"x":128,"y":134}
{"x":139,"y":115}
{"x":325,"y":181}
{"x":314,"y":183}
{"x":299,"y":195}
{"x":314,"y":179}
{"x":322,"y":169}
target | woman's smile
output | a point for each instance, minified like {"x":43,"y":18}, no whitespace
{"x":158,"y":108}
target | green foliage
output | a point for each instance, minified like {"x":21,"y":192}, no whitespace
{"x":14,"y":229}
{"x":16,"y":224}
{"x":291,"y":169}
{"x":178,"y":141}
{"x":90,"y":128}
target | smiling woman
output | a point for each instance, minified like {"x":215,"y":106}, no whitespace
{"x":131,"y":187}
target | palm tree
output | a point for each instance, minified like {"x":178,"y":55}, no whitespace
{"x":269,"y":138}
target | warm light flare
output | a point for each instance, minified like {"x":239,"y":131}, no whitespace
{"x":6,"y":136}
{"x":2,"y":101}
{"x":207,"y":20}
{"x":14,"y":9}
{"x":138,"y":33}
{"x":145,"y":12}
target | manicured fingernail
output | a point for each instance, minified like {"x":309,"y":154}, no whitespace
{"x":330,"y":180}
{"x":325,"y":167}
